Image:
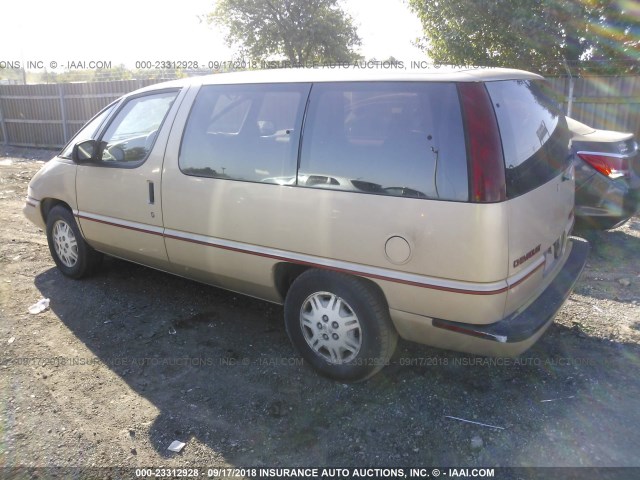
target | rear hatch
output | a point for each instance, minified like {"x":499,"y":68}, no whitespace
{"x":539,"y":182}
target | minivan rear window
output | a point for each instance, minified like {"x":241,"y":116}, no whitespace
{"x":388,"y":138}
{"x":535,"y":137}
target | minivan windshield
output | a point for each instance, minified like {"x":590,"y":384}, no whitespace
{"x":535,"y":137}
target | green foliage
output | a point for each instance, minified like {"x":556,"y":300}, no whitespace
{"x":540,"y":35}
{"x":303,"y":31}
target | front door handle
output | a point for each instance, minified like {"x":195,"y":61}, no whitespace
{"x":152,"y":193}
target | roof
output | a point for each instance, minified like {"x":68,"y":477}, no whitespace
{"x":354,"y":74}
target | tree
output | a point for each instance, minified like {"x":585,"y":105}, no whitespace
{"x":532,"y":34}
{"x":301,"y":30}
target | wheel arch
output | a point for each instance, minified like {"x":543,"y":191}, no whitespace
{"x":285,"y":273}
{"x":47,"y":204}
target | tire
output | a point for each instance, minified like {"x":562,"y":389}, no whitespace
{"x":73,"y":256}
{"x":340,"y":324}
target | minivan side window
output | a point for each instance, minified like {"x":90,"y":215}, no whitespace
{"x":132,"y":133}
{"x":389,"y":138}
{"x":87,"y":132}
{"x":535,"y":137}
{"x":244,"y":132}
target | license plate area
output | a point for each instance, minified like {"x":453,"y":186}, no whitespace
{"x":554,"y":253}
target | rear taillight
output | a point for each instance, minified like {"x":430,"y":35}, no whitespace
{"x":612,"y":166}
{"x":486,"y":164}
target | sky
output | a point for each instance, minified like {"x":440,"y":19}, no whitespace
{"x":126,"y":31}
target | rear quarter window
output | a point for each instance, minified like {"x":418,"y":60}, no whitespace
{"x":387,"y":138}
{"x":534,"y":133}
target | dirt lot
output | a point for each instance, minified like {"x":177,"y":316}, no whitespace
{"x":131,"y":359}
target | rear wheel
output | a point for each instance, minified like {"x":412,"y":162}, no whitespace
{"x":339,"y":324}
{"x":73,"y":256}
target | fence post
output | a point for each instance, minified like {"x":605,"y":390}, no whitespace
{"x":63,"y":113}
{"x":3,"y":125}
{"x":570,"y":99}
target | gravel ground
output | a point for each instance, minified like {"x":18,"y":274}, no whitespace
{"x":131,"y":359}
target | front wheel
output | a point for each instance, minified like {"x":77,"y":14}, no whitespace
{"x":339,"y":324}
{"x":74,"y":257}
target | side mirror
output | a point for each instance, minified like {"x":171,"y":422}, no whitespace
{"x":86,"y":151}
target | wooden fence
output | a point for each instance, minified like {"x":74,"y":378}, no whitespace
{"x":605,"y":102}
{"x":47,"y":116}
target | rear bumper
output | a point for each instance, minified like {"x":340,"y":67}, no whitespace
{"x":510,"y":336}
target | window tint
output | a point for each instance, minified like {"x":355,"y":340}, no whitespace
{"x":132,"y":133}
{"x":88,"y":131}
{"x":244,"y":132}
{"x":535,"y":138}
{"x":389,"y":138}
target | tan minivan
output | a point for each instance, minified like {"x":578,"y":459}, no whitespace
{"x":433,"y":205}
